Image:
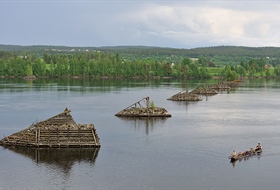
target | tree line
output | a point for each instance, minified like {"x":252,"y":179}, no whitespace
{"x":220,"y":55}
{"x":95,"y":64}
{"x":104,"y":64}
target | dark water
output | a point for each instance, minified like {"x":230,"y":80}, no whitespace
{"x":187,"y":151}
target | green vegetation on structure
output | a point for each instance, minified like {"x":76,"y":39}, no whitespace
{"x":153,"y":105}
{"x":146,"y":62}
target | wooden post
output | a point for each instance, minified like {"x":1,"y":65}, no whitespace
{"x":93,"y":134}
{"x":147,"y":102}
{"x":36,"y":138}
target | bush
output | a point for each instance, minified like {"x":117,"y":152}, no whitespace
{"x":153,"y":105}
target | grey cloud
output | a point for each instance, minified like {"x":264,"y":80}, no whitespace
{"x":154,"y":23}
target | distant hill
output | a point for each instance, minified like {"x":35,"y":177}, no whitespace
{"x":220,"y":55}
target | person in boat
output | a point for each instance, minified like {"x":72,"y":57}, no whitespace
{"x":245,"y":153}
{"x":233,"y":154}
{"x":252,"y":151}
{"x":258,"y":147}
{"x":240,"y":154}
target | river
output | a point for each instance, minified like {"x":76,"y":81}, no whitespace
{"x":186,"y":151}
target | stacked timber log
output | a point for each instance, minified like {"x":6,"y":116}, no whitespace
{"x":58,"y":131}
{"x":30,"y":77}
{"x":137,"y":110}
{"x":185,"y":96}
{"x":221,"y":86}
{"x":233,"y":84}
{"x":204,"y":91}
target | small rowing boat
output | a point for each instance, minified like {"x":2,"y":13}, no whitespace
{"x":244,"y":155}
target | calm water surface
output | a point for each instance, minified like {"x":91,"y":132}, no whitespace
{"x":187,"y":151}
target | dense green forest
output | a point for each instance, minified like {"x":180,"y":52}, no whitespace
{"x":139,"y":61}
{"x":220,"y":55}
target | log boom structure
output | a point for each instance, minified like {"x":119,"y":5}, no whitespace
{"x":220,"y":86}
{"x":60,"y":131}
{"x":226,"y":85}
{"x":185,"y":96}
{"x":201,"y":90}
{"x":138,"y":110}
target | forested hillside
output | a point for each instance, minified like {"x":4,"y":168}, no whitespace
{"x":220,"y":55}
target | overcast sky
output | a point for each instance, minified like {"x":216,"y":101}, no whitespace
{"x":162,"y":23}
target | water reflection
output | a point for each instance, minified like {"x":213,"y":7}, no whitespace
{"x":186,"y":103}
{"x":231,"y":91}
{"x":147,"y":123}
{"x":91,"y":84}
{"x":62,"y":159}
{"x":258,"y":155}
